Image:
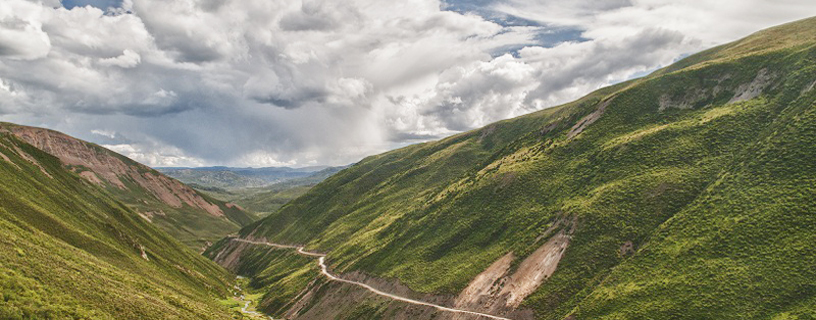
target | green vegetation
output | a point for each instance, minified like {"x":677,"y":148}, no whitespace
{"x":192,"y":226}
{"x":706,"y":167}
{"x":245,"y":178}
{"x":216,"y":177}
{"x":268,"y":199}
{"x":281,"y":275}
{"x":70,"y":251}
{"x":189,"y":216}
{"x":272,"y":198}
{"x":243,"y":298}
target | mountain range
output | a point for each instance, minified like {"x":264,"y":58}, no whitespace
{"x":184,"y":213}
{"x":236,"y":178}
{"x":685,"y":194}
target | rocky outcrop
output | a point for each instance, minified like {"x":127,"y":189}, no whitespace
{"x":324,"y":299}
{"x":589,"y":119}
{"x":753,"y":89}
{"x":229,"y":256}
{"x":497,"y":291}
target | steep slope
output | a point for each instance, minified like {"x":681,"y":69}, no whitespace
{"x":70,"y":251}
{"x":186,"y":214}
{"x":685,"y":194}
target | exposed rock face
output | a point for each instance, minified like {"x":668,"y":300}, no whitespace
{"x":327,"y":300}
{"x":330,"y":299}
{"x":753,"y":89}
{"x":810,"y":87}
{"x":99,"y":165}
{"x":485,"y":289}
{"x":627,"y":248}
{"x":4,"y":157}
{"x":694,"y":96}
{"x":686,"y":102}
{"x":229,"y":257}
{"x":588,"y":119}
{"x":22,"y":154}
{"x":496,"y":291}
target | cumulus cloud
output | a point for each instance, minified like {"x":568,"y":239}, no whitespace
{"x":21,"y":34}
{"x":128,"y":59}
{"x":273,"y":82}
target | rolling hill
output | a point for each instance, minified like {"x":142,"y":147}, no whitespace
{"x":241,"y":186}
{"x":190,"y":216}
{"x":686,"y":194}
{"x":70,"y":250}
{"x":238,"y":178}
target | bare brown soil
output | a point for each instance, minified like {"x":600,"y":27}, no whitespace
{"x":495,"y":290}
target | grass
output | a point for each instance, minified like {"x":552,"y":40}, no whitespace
{"x":716,"y":197}
{"x":70,"y":250}
{"x":192,"y":225}
{"x":280,"y":276}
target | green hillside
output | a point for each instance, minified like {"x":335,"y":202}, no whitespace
{"x":191,"y":217}
{"x":687,"y":194}
{"x":271,"y":198}
{"x":71,"y":251}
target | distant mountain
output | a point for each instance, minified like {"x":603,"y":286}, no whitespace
{"x":70,"y":250}
{"x":188,"y":215}
{"x":237,"y":178}
{"x":270,"y":198}
{"x":686,"y":194}
{"x":260,"y":200}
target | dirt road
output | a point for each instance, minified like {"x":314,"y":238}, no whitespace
{"x":324,"y":270}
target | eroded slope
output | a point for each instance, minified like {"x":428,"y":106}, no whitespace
{"x":70,"y":251}
{"x":183,"y":212}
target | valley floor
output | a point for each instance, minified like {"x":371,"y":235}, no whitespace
{"x":327,"y":274}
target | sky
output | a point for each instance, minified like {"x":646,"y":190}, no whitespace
{"x":324,"y":82}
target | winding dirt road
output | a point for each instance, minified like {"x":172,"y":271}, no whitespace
{"x":322,"y":262}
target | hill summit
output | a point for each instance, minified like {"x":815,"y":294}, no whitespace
{"x":185,"y":213}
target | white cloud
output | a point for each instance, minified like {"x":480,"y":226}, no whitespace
{"x":21,"y":34}
{"x":104,"y":133}
{"x":163,"y":157}
{"x":128,"y":59}
{"x":266,"y":82}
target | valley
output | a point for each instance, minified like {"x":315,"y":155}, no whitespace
{"x":593,"y":209}
{"x":261,"y":191}
{"x":324,"y":270}
{"x":685,"y":193}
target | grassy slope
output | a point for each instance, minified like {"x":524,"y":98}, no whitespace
{"x":69,"y":250}
{"x":272,"y":198}
{"x":266,"y":200}
{"x":715,"y":197}
{"x":193,"y":226}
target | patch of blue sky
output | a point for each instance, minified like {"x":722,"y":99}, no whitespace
{"x":546,"y":36}
{"x":101,"y":4}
